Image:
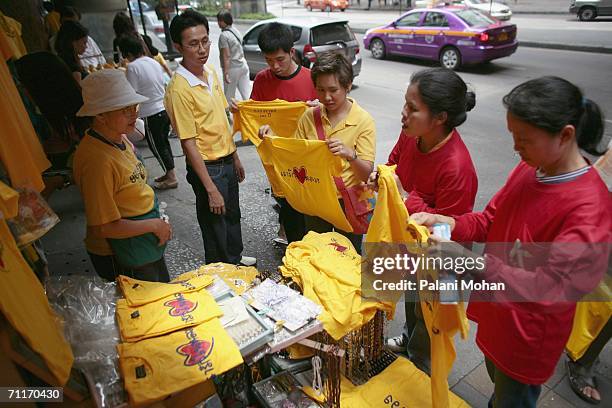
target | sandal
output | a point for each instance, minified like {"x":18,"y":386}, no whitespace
{"x":160,"y":178}
{"x":166,"y":185}
{"x":578,"y":383}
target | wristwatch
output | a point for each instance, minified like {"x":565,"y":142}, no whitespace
{"x":354,"y":156}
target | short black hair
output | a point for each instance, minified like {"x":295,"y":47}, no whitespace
{"x":189,"y":18}
{"x":225,"y":16}
{"x":69,"y":12}
{"x":274,"y":37}
{"x":122,"y":24}
{"x":128,"y":44}
{"x":333,"y":63}
{"x":442,"y":90}
{"x":550,"y":103}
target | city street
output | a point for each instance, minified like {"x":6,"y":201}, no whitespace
{"x":380,"y":90}
{"x":563,"y":29}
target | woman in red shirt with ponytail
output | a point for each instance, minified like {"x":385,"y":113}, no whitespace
{"x":548,"y":236}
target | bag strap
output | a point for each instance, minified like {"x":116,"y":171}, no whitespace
{"x":234,"y":34}
{"x":318,"y":123}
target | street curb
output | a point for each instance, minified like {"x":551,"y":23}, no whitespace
{"x":529,"y":44}
{"x":566,"y":47}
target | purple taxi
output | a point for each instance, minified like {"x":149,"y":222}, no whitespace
{"x":453,"y":35}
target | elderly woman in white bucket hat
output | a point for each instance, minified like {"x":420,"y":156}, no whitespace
{"x":125,"y":234}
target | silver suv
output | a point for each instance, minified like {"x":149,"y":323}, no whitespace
{"x":310,"y":36}
{"x":588,"y":10}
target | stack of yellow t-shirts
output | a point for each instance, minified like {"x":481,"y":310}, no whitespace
{"x":138,"y":292}
{"x":280,"y":115}
{"x":399,"y":385}
{"x":174,"y":337}
{"x":166,"y":315}
{"x":239,"y":278}
{"x":390,"y":223}
{"x":328,"y":269}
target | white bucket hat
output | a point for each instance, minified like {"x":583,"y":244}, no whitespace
{"x":107,"y":90}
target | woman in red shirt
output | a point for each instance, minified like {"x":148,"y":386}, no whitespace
{"x":435,"y":172}
{"x":548,"y":236}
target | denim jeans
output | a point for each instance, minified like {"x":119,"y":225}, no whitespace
{"x":510,"y":393}
{"x":221,"y":234}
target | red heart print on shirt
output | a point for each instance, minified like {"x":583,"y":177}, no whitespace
{"x":300,"y":174}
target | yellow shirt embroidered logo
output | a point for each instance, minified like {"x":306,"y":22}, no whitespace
{"x":282,"y":116}
{"x":166,"y":315}
{"x":302,"y":171}
{"x":155,"y":368}
{"x":138,"y":292}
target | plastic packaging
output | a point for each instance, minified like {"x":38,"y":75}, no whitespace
{"x":87,"y":306}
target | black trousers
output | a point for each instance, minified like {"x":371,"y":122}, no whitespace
{"x":157,"y":128}
{"x":221,"y":234}
{"x":107,"y":267}
{"x":319,"y":225}
{"x":510,"y":393}
{"x":292,"y":221}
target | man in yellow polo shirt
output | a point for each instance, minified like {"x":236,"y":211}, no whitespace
{"x":196,"y":105}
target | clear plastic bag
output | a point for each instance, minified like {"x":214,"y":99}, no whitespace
{"x":86,"y":304}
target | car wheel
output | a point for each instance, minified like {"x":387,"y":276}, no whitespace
{"x":450,"y":58}
{"x":587,"y":14}
{"x":308,"y":8}
{"x":342,"y":10}
{"x":377,"y":47}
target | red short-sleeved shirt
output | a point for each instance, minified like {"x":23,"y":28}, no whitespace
{"x":294,"y":88}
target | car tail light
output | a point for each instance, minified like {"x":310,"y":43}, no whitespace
{"x":159,"y":30}
{"x":357,"y":50}
{"x":484,"y":37}
{"x":309,"y":53}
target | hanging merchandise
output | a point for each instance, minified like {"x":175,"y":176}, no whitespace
{"x":328,"y":269}
{"x":391,"y":224}
{"x":589,"y":320}
{"x":11,"y":28}
{"x":302,"y":171}
{"x":34,"y":219}
{"x":177,"y":311}
{"x":155,"y":368}
{"x":23,"y":301}
{"x":20,"y":149}
{"x":282,"y":116}
{"x":400,"y":385}
{"x":138,"y":292}
{"x":239,"y":278}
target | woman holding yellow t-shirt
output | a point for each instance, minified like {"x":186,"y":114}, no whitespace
{"x":125,"y":234}
{"x":348,"y":128}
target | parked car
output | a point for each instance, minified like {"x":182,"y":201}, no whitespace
{"x":310,"y":37}
{"x":589,"y":10}
{"x":498,"y":10}
{"x":495,"y":9}
{"x":326,"y":5}
{"x":154,"y":26}
{"x":454,"y":35}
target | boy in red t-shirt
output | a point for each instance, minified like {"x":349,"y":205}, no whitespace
{"x":283,"y":79}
